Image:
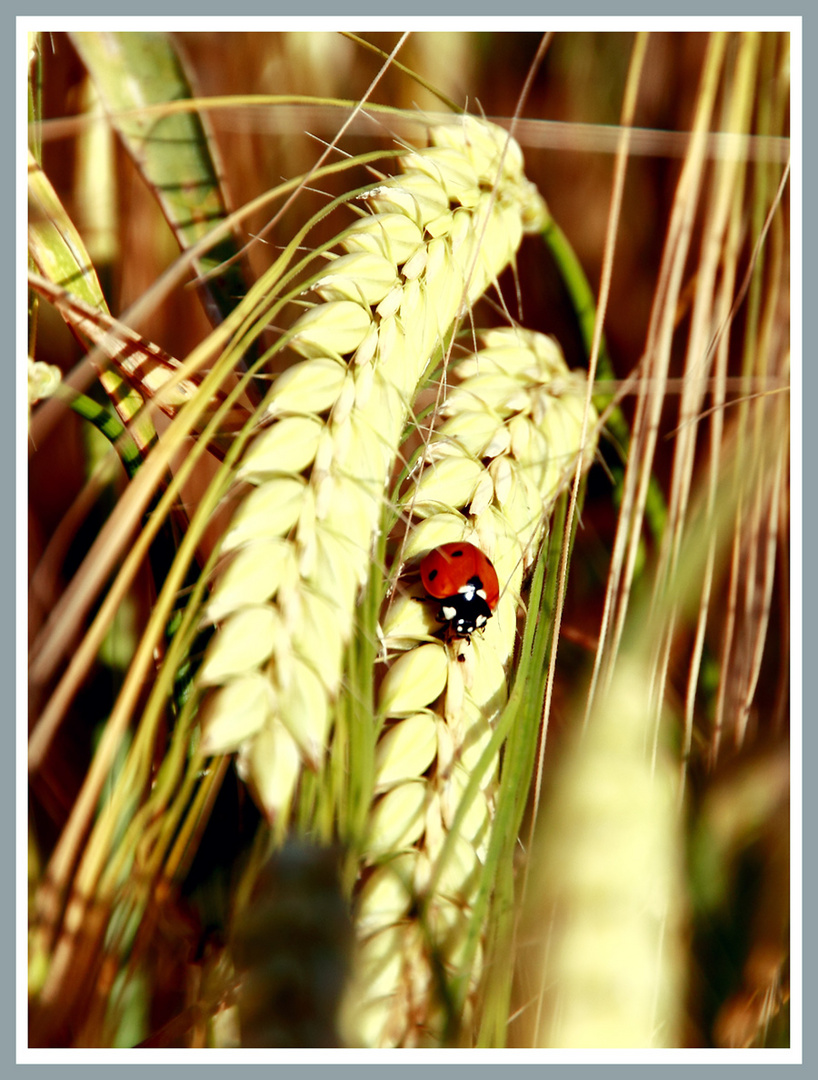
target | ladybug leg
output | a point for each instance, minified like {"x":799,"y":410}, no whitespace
{"x":455,"y":642}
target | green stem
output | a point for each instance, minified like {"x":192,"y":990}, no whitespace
{"x":584,"y":304}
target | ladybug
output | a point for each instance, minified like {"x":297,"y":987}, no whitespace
{"x":464,"y":580}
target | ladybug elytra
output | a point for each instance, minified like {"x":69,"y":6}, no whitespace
{"x":464,"y":580}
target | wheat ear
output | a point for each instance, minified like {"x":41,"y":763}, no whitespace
{"x":300,"y":543}
{"x":508,"y":447}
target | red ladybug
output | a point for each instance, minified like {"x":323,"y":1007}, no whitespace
{"x":462,"y":577}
